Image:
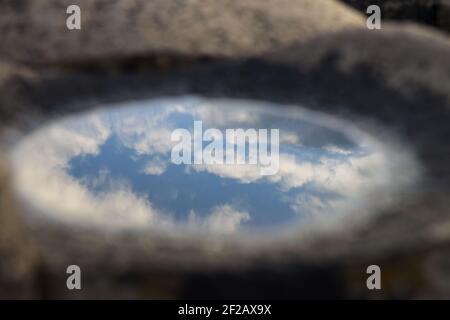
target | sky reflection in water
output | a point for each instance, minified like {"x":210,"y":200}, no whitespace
{"x":112,"y":167}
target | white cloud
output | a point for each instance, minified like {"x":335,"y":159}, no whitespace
{"x":337,"y":149}
{"x":224,"y":219}
{"x":144,"y":135}
{"x":354,"y":180}
{"x":244,"y":173}
{"x":44,"y":181}
{"x":289,"y":137}
{"x":155,"y":166}
{"x":340,"y":175}
{"x":214,"y":115}
{"x":311,"y":205}
{"x":41,"y":162}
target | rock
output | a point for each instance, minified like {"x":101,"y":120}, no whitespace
{"x":430,"y":12}
{"x":443,"y":15}
{"x":35,"y":30}
{"x":18,"y":258}
{"x":315,"y":53}
{"x":406,"y":57}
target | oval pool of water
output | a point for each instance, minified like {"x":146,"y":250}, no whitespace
{"x":114,"y":168}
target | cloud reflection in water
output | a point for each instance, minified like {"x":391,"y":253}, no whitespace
{"x":112,"y":168}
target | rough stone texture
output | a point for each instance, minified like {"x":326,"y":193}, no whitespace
{"x":431,"y":12}
{"x":406,"y":57}
{"x":397,"y":79}
{"x":18,"y":257}
{"x":35,"y":31}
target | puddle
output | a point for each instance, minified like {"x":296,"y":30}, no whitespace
{"x":113,"y":168}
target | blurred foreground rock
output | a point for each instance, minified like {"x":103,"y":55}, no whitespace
{"x":35,"y":31}
{"x":315,"y":53}
{"x":18,"y":256}
{"x":435,"y":13}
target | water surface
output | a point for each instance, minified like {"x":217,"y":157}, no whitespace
{"x":112,"y":168}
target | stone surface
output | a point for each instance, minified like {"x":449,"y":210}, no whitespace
{"x":406,"y":57}
{"x":396,"y":79}
{"x":434,"y":13}
{"x":35,"y":30}
{"x":18,"y":257}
